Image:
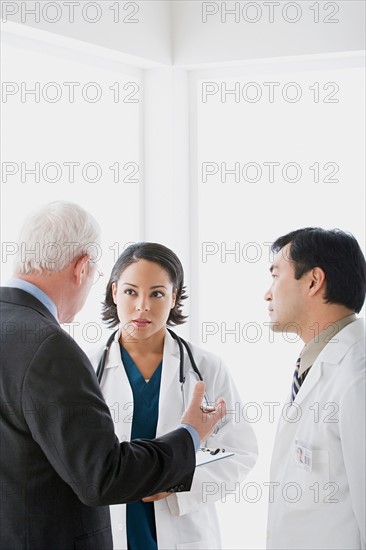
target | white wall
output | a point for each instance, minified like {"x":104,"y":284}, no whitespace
{"x":238,"y":214}
{"x":39,"y":133}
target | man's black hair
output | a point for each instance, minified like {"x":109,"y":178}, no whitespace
{"x":338,"y":254}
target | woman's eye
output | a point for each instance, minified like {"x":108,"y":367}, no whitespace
{"x":129,"y":291}
{"x":157,"y":294}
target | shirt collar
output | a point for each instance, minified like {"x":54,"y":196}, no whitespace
{"x":313,"y":348}
{"x":32,"y":289}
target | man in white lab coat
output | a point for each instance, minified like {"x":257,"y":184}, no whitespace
{"x":317,"y":497}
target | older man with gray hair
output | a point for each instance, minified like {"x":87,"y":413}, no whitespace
{"x":61,"y":463}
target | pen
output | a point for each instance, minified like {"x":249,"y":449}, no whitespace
{"x":207,"y":408}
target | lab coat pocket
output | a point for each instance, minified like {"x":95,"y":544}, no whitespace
{"x":309,"y":487}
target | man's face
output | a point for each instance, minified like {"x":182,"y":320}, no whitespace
{"x":286,"y":296}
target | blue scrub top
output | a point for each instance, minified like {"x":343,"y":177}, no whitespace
{"x":140,"y":516}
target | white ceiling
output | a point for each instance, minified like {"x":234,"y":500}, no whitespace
{"x":185,"y":33}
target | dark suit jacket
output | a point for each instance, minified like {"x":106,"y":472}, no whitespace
{"x":61,"y":463}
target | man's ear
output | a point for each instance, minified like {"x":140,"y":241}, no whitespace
{"x":316,"y":280}
{"x":81,"y":269}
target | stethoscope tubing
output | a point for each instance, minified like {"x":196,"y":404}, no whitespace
{"x":181,"y":345}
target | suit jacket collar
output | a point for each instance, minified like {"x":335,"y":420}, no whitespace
{"x":22,"y":298}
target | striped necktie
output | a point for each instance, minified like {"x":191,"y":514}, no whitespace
{"x":298,"y":380}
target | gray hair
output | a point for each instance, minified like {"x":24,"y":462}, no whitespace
{"x":54,"y":236}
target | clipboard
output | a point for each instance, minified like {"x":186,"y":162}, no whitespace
{"x":206,"y":455}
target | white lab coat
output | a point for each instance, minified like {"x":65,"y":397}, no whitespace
{"x":185,"y":520}
{"x":329,"y":419}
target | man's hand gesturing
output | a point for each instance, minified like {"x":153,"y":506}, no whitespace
{"x":204,"y":421}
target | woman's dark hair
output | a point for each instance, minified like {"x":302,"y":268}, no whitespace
{"x":338,"y":254}
{"x":153,"y":252}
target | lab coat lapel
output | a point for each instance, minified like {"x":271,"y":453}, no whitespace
{"x":170,"y":401}
{"x":313,"y":377}
{"x":114,"y":354}
{"x":292,"y":410}
{"x":118,"y":389}
{"x":331,"y":354}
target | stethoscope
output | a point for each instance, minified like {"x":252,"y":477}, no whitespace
{"x":181,"y":344}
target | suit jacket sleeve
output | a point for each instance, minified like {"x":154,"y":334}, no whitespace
{"x":69,"y":419}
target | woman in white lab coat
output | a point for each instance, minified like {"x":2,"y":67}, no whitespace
{"x":142,"y":388}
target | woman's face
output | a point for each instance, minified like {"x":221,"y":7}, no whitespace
{"x":144,"y":296}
